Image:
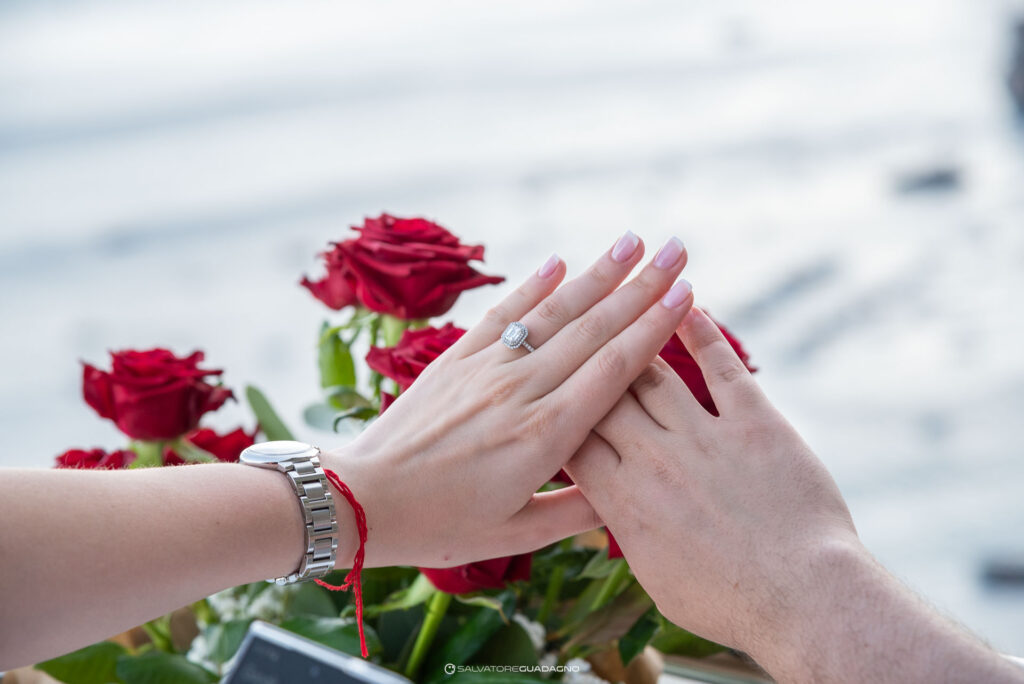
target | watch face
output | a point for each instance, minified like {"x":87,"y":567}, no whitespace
{"x":271,"y":453}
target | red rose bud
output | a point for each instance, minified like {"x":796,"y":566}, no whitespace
{"x":488,"y":574}
{"x":152,"y":395}
{"x":683,"y":364}
{"x":407,"y":268}
{"x":404,"y":362}
{"x":613,"y":546}
{"x":227,"y":447}
{"x":95,"y":458}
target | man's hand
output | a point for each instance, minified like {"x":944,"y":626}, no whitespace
{"x":739,"y":534}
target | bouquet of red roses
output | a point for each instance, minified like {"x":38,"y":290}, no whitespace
{"x":572,"y":602}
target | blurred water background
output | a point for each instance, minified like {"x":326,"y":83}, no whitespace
{"x":848,"y":178}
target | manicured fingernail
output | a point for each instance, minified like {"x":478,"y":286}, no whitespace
{"x":549,"y":266}
{"x":677,"y":295}
{"x":669,"y":253}
{"x":625,"y":247}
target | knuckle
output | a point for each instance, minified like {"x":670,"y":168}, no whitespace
{"x":592,"y":327}
{"x":646,"y":284}
{"x":497,"y":315}
{"x":651,"y":379}
{"x":729,"y":371}
{"x":552,"y":311}
{"x":611,"y":362}
{"x":503,"y":389}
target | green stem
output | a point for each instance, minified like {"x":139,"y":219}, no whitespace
{"x":552,"y":594}
{"x":554,"y":589}
{"x":159,"y":632}
{"x":611,"y":585}
{"x":436,"y":608}
{"x":393,"y":329}
{"x":150,"y":454}
{"x":203,"y":612}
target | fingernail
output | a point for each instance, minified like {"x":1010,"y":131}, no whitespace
{"x":625,"y":247}
{"x":549,"y":266}
{"x":677,"y":295}
{"x":669,"y":253}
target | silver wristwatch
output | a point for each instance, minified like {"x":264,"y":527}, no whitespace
{"x":301,"y":463}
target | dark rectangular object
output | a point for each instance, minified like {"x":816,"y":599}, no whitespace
{"x":271,"y":655}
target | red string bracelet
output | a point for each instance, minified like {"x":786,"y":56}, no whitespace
{"x":353,"y":578}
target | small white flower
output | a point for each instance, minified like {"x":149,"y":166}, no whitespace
{"x":534,"y":630}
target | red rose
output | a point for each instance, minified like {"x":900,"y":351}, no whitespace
{"x":404,"y":362}
{"x":152,"y":395}
{"x":227,"y":447}
{"x":95,"y":458}
{"x":683,"y":364}
{"x":488,"y":574}
{"x":408,"y":268}
{"x":613,"y":546}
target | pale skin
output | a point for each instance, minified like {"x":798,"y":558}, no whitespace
{"x":448,"y":475}
{"x":741,"y":534}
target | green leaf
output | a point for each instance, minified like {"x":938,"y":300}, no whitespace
{"x":156,"y":667}
{"x":600,"y":565}
{"x":271,"y":425}
{"x":338,"y":633}
{"x":611,"y":621}
{"x":397,"y":630}
{"x":342,"y":398}
{"x":358,"y":413}
{"x":468,"y":638}
{"x":673,"y":640}
{"x":492,"y":602}
{"x":336,"y":365}
{"x":633,"y":642}
{"x":510,"y":646}
{"x":96,"y":664}
{"x":225,"y":638}
{"x":416,"y":593}
{"x":309,"y":599}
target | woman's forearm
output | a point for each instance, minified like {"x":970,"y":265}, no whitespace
{"x":87,"y":554}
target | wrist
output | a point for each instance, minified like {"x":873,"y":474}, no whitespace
{"x":344,"y":463}
{"x":835,"y":578}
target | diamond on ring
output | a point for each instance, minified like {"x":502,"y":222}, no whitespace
{"x":514,"y":336}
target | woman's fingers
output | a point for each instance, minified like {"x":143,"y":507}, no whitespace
{"x":551,"y":516}
{"x":578,"y":295}
{"x":574,"y":344}
{"x":538,"y":286}
{"x":663,"y":395}
{"x":589,"y":393}
{"x":730,"y":383}
{"x":593,"y":467}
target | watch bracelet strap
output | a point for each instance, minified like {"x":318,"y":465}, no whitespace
{"x":311,"y":486}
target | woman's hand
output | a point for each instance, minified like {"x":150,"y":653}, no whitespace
{"x":448,"y":475}
{"x":717,"y":516}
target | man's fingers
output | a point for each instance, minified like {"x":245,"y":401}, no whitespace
{"x":571,"y":346}
{"x":550,"y":517}
{"x":730,"y":383}
{"x":609,"y":372}
{"x":593,"y":467}
{"x":538,"y":286}
{"x":665,"y":397}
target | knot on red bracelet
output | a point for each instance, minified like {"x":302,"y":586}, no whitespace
{"x":353,"y":578}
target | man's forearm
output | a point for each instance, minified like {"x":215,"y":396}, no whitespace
{"x":855,"y":622}
{"x":87,"y":554}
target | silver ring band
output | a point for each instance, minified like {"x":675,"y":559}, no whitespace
{"x":514,"y":337}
